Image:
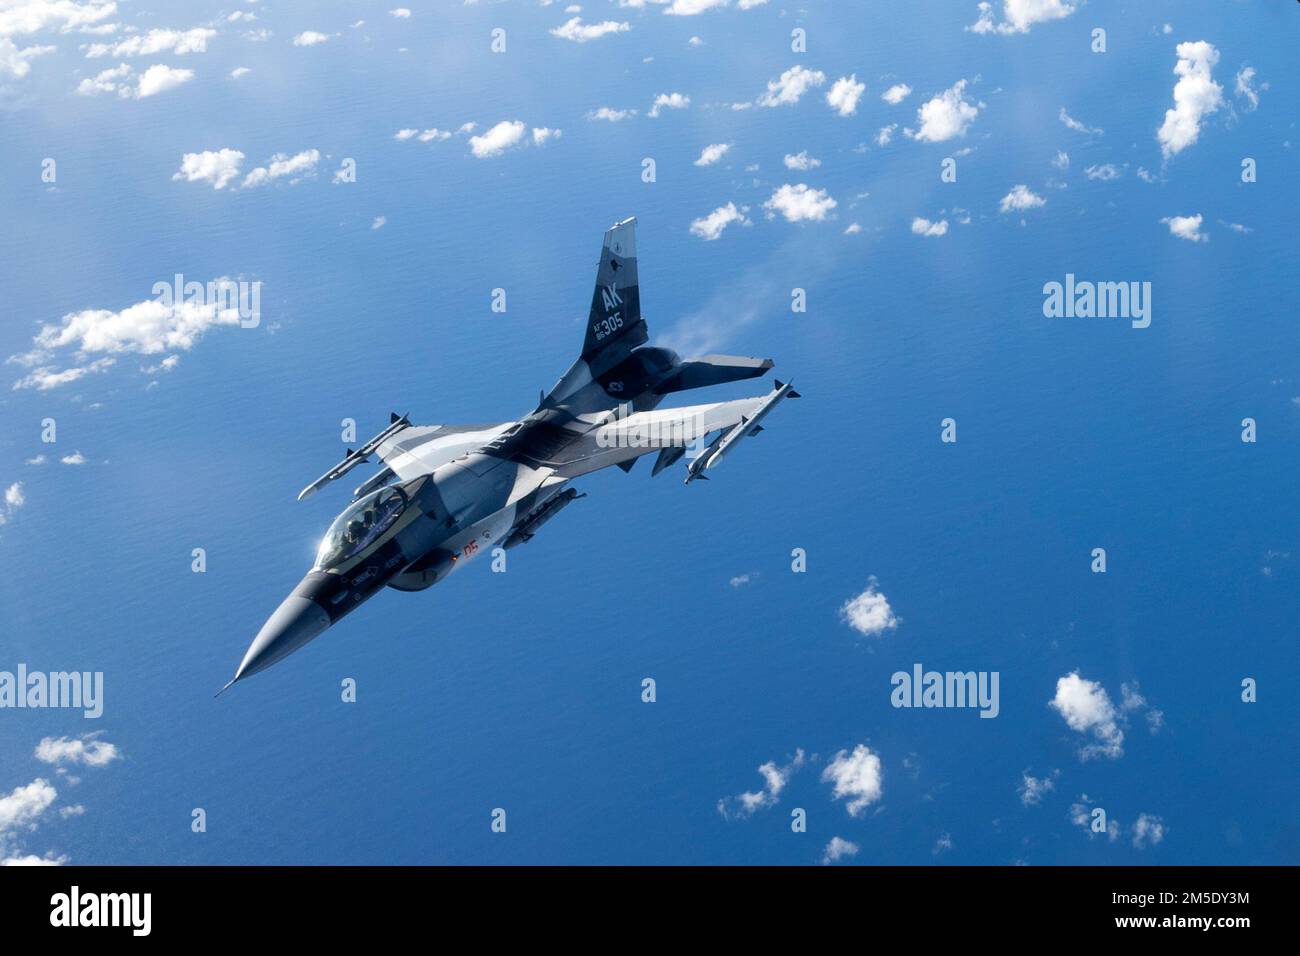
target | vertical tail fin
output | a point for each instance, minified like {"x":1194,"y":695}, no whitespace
{"x":614,"y":325}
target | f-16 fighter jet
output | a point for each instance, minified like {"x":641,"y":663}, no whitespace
{"x":447,"y":493}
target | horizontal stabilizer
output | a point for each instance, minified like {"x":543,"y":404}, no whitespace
{"x":712,"y":370}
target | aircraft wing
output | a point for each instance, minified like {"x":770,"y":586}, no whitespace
{"x":419,"y":449}
{"x":669,"y":431}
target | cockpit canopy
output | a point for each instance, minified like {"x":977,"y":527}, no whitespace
{"x":360,"y":526}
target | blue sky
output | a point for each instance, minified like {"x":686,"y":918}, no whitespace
{"x":381,"y":174}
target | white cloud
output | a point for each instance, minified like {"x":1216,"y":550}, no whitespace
{"x":1077,"y":125}
{"x":710,"y":227}
{"x":610,"y":115}
{"x":76,"y":458}
{"x":801,"y":161}
{"x":896,"y":94}
{"x":1186,"y":227}
{"x":943,"y":844}
{"x":14,"y":497}
{"x":845,"y":93}
{"x":690,"y":8}
{"x":800,"y":203}
{"x":146,"y":328}
{"x":1105,"y":172}
{"x":856,"y":776}
{"x":1019,"y":15}
{"x":505,"y":135}
{"x":310,"y":38}
{"x":239,"y":72}
{"x":580,"y":32}
{"x":544,"y":134}
{"x":1061,"y":160}
{"x":787,"y":89}
{"x":1020,"y":198}
{"x":401,"y":13}
{"x":1087,"y":708}
{"x":1032,"y":788}
{"x":838,"y":849}
{"x":217,"y":167}
{"x":33,"y":16}
{"x":852,"y":229}
{"x":669,"y":101}
{"x":869,"y":613}
{"x":159,"y":78}
{"x":15,"y":62}
{"x":1245,"y":86}
{"x":87,"y":751}
{"x":1196,"y":95}
{"x":1148,"y":831}
{"x":946,"y":115}
{"x":379,"y":222}
{"x":924,"y":227}
{"x":432,"y":134}
{"x":23,"y":806}
{"x":179,"y":42}
{"x":156,"y":79}
{"x":282,"y":165}
{"x":886,"y":134}
{"x":775,"y":779}
{"x":712,"y":153}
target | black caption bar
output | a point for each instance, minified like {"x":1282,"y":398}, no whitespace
{"x":336,"y":905}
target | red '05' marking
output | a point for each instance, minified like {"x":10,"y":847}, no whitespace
{"x":470,"y":548}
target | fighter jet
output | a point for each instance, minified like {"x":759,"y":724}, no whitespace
{"x":448,"y":493}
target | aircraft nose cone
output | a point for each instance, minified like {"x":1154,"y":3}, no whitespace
{"x":295,"y":622}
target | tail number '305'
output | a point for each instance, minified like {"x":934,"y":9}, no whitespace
{"x":607,"y":327}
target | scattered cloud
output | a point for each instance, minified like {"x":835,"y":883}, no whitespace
{"x":505,"y":135}
{"x":178,"y":42}
{"x":668,"y":101}
{"x":775,"y":779}
{"x":844,"y":95}
{"x":217,"y":167}
{"x":855,"y":777}
{"x":869,"y":612}
{"x":1019,"y":15}
{"x":1196,"y":96}
{"x":790,"y":86}
{"x":800,"y":203}
{"x":924,"y":227}
{"x":801,"y":161}
{"x":1246,"y":89}
{"x":1032,"y":788}
{"x":946,"y":115}
{"x":1186,"y":227}
{"x":86,"y":750}
{"x":1105,"y":172}
{"x":1148,"y":831}
{"x":1087,"y":709}
{"x":896,"y":94}
{"x":712,"y":153}
{"x":1077,"y":125}
{"x":1020,"y":198}
{"x":311,"y":38}
{"x":711,"y":226}
{"x":580,"y":32}
{"x":284,"y":166}
{"x":839,"y":849}
{"x":123,"y":80}
{"x":610,"y":115}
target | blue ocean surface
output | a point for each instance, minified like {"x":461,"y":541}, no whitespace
{"x":523,"y":690}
